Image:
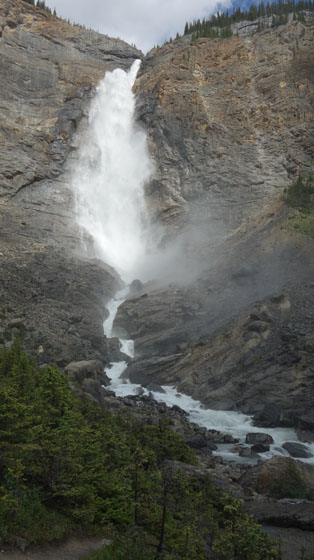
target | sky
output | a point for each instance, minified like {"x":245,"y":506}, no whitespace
{"x":145,"y":23}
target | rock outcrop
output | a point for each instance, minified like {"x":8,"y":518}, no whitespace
{"x":48,"y":73}
{"x":230,"y":125}
{"x":229,"y":121}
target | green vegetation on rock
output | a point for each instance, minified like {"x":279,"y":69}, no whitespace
{"x":300,"y":195}
{"x":40,"y":4}
{"x":286,"y":484}
{"x":219,"y":25}
{"x":67,"y":464}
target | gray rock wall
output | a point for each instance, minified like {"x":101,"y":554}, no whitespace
{"x":48,"y":72}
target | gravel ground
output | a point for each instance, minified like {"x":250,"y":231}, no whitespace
{"x":72,"y":549}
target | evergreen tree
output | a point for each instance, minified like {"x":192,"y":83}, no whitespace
{"x":67,"y":464}
{"x":278,"y":10}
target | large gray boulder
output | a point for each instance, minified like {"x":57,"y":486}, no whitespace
{"x":281,"y":477}
{"x":296,"y":449}
{"x":85,"y":369}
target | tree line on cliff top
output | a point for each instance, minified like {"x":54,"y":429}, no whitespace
{"x":68,"y":465}
{"x":219,"y":25}
{"x":41,"y":4}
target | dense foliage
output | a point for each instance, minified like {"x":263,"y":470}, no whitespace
{"x":67,"y":464}
{"x":300,"y":195}
{"x":219,"y":25}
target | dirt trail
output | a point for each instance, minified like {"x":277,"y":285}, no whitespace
{"x":72,"y":549}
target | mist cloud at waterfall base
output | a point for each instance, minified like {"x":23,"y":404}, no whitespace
{"x":181,"y":258}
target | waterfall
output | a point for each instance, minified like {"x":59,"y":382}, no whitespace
{"x":108,"y":183}
{"x":109,"y":179}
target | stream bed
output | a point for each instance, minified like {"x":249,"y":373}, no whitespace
{"x":233,"y":423}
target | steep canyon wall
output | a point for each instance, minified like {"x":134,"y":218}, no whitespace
{"x":48,"y":73}
{"x":230,"y":124}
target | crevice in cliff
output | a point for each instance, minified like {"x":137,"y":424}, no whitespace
{"x":25,"y":185}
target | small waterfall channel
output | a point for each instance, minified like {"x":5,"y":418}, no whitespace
{"x":108,"y":183}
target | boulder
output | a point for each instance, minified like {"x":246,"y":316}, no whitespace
{"x":258,"y":326}
{"x":296,"y":449}
{"x":236,"y":449}
{"x":112,"y":348}
{"x":306,"y":422}
{"x":104,"y":380}
{"x":199,"y":441}
{"x":18,"y":323}
{"x":254,"y":438}
{"x":260,"y":447}
{"x":93,"y":388}
{"x":228,"y":438}
{"x":248,"y":452}
{"x":86,"y":369}
{"x":135,"y":286}
{"x":155,"y":388}
{"x":281,"y":477}
{"x":306,"y":436}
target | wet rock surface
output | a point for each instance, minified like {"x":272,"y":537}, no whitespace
{"x":256,"y":438}
{"x":297,"y":449}
{"x":230,"y":367}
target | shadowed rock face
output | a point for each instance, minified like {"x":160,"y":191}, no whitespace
{"x":48,"y":72}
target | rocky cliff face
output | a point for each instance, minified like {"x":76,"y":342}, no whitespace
{"x":229,"y":122}
{"x":230,"y":125}
{"x":48,"y":71}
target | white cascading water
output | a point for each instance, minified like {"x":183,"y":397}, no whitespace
{"x":109,"y":179}
{"x":109,"y":184}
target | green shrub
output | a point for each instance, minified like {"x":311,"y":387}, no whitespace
{"x":304,"y":223}
{"x":300,"y":194}
{"x":287,"y":484}
{"x":7,"y":335}
{"x":68,"y":464}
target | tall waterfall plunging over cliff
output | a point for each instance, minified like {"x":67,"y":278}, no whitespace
{"x":109,"y":180}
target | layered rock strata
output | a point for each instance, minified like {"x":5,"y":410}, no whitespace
{"x":230,"y":126}
{"x":48,"y":73}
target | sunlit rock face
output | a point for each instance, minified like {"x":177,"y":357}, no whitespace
{"x":229,"y":123}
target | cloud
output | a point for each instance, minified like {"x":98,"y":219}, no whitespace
{"x":143,"y":22}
